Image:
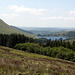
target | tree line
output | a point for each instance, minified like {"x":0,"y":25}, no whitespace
{"x":57,"y":43}
{"x":13,"y":39}
{"x":55,"y":48}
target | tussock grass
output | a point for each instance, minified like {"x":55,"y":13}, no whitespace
{"x":16,"y":62}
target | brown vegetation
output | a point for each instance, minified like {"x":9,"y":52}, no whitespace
{"x":15,"y":62}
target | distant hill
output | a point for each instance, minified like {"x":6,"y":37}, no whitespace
{"x":6,"y":29}
{"x":46,"y":30}
{"x":22,"y":30}
{"x":68,"y":34}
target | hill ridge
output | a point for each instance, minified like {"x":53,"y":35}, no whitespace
{"x":6,"y":29}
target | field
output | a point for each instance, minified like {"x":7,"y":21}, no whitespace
{"x":16,"y":62}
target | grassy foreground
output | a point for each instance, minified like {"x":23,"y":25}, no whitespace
{"x":16,"y":62}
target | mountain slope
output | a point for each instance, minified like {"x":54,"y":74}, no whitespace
{"x":6,"y":29}
{"x":17,"y":62}
{"x":22,"y":30}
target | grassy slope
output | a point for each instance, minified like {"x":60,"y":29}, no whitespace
{"x":70,"y":40}
{"x":68,"y":33}
{"x":22,"y":30}
{"x":16,"y":62}
{"x":6,"y":29}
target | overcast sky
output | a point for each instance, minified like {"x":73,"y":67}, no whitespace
{"x":38,"y":13}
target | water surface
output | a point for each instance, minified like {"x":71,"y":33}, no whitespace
{"x":53,"y":37}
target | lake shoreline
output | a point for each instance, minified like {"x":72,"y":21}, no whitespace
{"x":54,"y":37}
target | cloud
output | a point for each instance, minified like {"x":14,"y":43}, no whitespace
{"x":9,"y":16}
{"x":58,"y":18}
{"x":72,"y":12}
{"x":23,"y":9}
{"x":69,"y":13}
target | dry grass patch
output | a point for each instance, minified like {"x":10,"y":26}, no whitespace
{"x":15,"y":62}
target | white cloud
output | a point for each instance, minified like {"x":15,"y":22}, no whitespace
{"x":72,"y":13}
{"x":69,"y":13}
{"x":58,"y":18}
{"x":23,"y":9}
{"x":9,"y":16}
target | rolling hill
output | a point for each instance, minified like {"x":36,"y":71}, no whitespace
{"x":17,"y":62}
{"x":70,"y":34}
{"x":22,"y":30}
{"x":46,"y":30}
{"x":6,"y":29}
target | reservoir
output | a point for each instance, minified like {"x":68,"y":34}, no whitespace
{"x":53,"y":37}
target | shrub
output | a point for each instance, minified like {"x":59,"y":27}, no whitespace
{"x":58,"y":52}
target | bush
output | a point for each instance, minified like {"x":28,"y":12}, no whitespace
{"x":58,"y":52}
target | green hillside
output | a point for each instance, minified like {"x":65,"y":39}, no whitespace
{"x":22,"y":30}
{"x":6,"y":29}
{"x":17,"y":62}
{"x":68,"y":34}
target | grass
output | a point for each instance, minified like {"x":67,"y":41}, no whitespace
{"x":6,"y":29}
{"x":16,"y":62}
{"x":70,"y":40}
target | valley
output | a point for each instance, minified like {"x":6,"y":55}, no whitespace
{"x":37,"y":37}
{"x":36,"y":52}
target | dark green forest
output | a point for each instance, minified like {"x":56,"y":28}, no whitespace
{"x":13,"y":39}
{"x":56,"y":48}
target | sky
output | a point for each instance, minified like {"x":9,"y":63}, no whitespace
{"x":38,"y":13}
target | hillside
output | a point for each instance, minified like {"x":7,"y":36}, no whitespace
{"x":42,"y":30}
{"x":22,"y":30}
{"x":46,"y":30}
{"x":68,"y":34}
{"x":16,"y":62}
{"x":6,"y":29}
